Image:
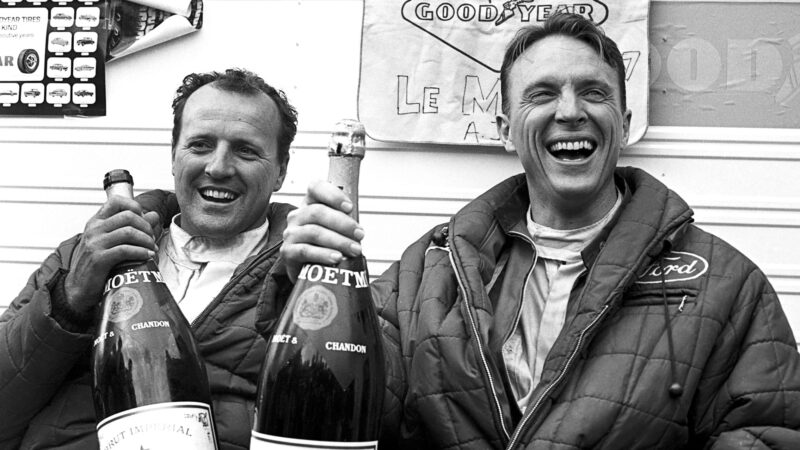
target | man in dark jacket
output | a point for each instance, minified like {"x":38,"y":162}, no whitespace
{"x":574,"y":305}
{"x":230,"y":150}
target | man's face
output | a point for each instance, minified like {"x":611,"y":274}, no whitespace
{"x":225,"y":162}
{"x":565,"y":122}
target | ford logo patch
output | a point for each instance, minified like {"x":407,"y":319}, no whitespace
{"x":675,"y":266}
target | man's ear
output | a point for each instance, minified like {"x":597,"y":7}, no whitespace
{"x":626,"y":126}
{"x":173,"y":161}
{"x":281,"y":175}
{"x":503,"y":130}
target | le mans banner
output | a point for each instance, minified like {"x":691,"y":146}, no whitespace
{"x":430,"y":70}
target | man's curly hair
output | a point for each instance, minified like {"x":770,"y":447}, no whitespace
{"x":238,"y":81}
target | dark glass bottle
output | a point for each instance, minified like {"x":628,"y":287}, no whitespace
{"x":322,"y":383}
{"x":149,"y":381}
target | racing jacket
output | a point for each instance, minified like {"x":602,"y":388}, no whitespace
{"x":673,"y":339}
{"x":45,"y":380}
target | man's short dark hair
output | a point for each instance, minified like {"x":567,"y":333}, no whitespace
{"x":563,"y":24}
{"x":238,"y":81}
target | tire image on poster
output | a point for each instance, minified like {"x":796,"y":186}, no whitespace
{"x":28,"y":61}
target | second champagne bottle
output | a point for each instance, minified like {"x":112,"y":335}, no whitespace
{"x":322,"y":383}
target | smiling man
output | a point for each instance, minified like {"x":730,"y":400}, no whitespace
{"x":575,"y":305}
{"x":565,"y":116}
{"x":229,"y":154}
{"x":230,"y":149}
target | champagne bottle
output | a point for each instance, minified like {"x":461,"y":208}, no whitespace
{"x":322,"y":382}
{"x":149,"y":382}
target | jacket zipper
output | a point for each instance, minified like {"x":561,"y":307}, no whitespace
{"x":527,"y":278}
{"x":225,"y":289}
{"x":557,"y":381}
{"x":474,"y":327}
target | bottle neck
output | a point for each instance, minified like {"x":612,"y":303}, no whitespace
{"x":124,"y":189}
{"x":343,"y":172}
{"x":121,"y":189}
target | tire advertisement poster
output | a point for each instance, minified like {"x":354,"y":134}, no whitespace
{"x":53,"y":53}
{"x":430,"y":70}
{"x":52,"y":58}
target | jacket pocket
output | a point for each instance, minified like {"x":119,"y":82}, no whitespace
{"x":683,"y":298}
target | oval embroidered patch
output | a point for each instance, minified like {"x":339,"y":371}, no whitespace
{"x":675,"y":266}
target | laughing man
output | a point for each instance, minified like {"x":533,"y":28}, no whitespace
{"x":574,"y":305}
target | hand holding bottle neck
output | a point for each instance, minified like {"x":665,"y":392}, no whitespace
{"x":343,"y":172}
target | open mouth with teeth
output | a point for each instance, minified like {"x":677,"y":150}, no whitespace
{"x":218,"y":195}
{"x":572,"y":150}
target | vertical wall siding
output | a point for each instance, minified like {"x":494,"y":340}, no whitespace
{"x":741,"y":183}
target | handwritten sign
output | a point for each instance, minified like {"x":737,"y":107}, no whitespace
{"x":430,"y":70}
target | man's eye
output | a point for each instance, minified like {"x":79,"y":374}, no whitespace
{"x":199,"y":145}
{"x":595,"y":94}
{"x":248,"y":152}
{"x":540,"y":96}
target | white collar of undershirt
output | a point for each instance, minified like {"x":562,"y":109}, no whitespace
{"x":566,"y":245}
{"x":202,"y":249}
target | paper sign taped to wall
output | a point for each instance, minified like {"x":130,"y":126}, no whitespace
{"x":139,"y":24}
{"x":430,"y":70}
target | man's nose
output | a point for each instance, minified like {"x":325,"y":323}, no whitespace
{"x":570,"y":110}
{"x":220,"y":164}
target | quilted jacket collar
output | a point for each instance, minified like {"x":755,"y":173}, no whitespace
{"x":511,"y":215}
{"x":647,"y":225}
{"x":485,"y":222}
{"x":277,"y":223}
{"x":249,"y":274}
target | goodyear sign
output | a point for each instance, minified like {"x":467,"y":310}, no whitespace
{"x":455,"y":24}
{"x":430,"y":69}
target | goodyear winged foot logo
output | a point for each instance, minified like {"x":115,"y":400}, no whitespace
{"x":472,"y":27}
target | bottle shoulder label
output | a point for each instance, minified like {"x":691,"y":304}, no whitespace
{"x":163,"y":425}
{"x":132,"y":277}
{"x":261,"y":441}
{"x":334,"y":275}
